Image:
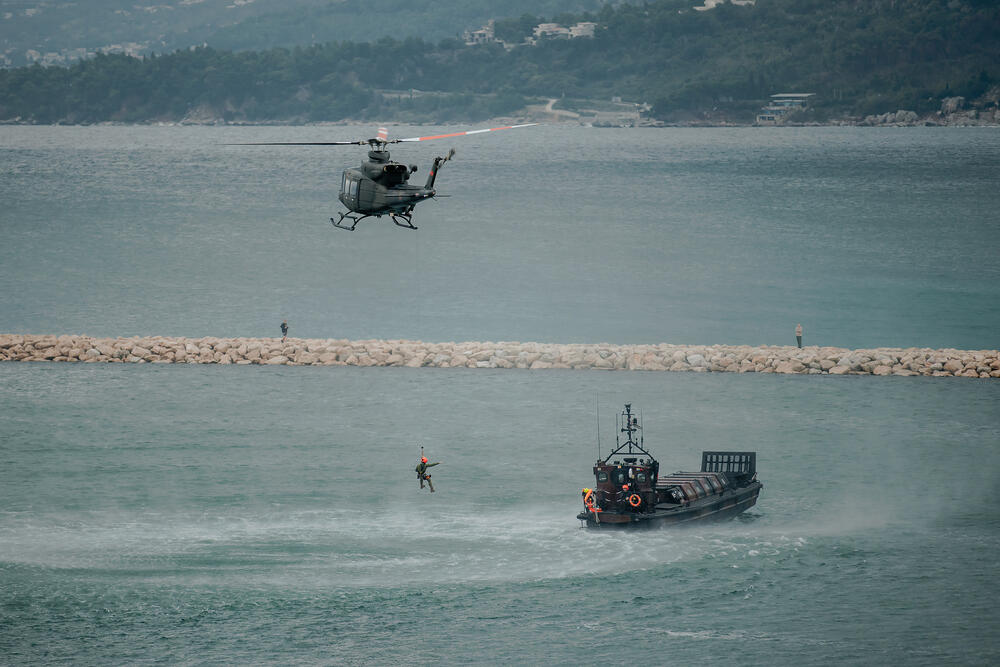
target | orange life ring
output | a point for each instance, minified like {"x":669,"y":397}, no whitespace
{"x":634,"y":500}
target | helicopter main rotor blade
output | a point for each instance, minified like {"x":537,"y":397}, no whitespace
{"x":462,"y":134}
{"x":303,"y":143}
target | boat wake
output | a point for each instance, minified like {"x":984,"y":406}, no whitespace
{"x":338,"y":549}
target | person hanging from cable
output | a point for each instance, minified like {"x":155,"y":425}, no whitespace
{"x":422,"y":470}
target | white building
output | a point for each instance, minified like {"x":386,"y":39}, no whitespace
{"x":484,"y":35}
{"x":551,"y":31}
{"x":712,"y":4}
{"x":782,"y":104}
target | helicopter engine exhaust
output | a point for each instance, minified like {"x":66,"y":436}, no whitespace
{"x":393,"y":174}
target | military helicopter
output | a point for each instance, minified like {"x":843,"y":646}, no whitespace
{"x":380,"y":186}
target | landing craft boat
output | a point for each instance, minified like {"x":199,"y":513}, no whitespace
{"x":631,"y":492}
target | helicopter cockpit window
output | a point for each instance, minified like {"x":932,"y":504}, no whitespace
{"x":350,"y":185}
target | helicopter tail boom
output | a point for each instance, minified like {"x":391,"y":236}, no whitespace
{"x":438,"y":161}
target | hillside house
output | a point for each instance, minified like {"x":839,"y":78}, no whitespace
{"x":782,"y":104}
{"x":484,"y":35}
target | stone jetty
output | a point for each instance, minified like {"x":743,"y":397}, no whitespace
{"x":533,"y":356}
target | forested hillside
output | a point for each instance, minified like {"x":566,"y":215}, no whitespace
{"x":858,"y":56}
{"x":61,"y":31}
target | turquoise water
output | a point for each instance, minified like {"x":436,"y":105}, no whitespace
{"x":220,"y":515}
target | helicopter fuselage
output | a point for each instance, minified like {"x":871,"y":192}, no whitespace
{"x":380,"y":187}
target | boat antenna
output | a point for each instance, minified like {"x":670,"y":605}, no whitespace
{"x":628,"y":424}
{"x":597,"y":397}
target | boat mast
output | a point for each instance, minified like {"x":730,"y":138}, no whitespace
{"x":628,"y":424}
{"x":630,"y":427}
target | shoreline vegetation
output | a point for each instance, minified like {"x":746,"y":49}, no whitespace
{"x":990,"y":120}
{"x":954,"y":112}
{"x":809,"y":360}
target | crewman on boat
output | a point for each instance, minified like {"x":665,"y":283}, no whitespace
{"x":620,"y":497}
{"x":422,"y":472}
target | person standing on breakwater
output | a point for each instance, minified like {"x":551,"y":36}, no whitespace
{"x":798,"y":335}
{"x":284,"y":330}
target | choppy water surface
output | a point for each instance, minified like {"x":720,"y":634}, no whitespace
{"x":209,"y":514}
{"x":217,"y":515}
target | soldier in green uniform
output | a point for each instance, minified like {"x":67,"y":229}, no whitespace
{"x":422,"y":472}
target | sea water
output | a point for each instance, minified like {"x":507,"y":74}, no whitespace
{"x":866,"y":236}
{"x":213,"y":515}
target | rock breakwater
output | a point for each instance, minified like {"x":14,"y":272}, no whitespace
{"x":535,"y":356}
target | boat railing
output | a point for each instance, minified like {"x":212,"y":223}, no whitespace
{"x":738,"y":463}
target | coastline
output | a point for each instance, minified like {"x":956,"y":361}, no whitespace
{"x":809,"y":360}
{"x":954,"y":112}
{"x":884,"y":120}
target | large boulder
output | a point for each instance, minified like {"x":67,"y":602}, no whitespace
{"x":306,"y":358}
{"x":953,"y":366}
{"x":952,"y":104}
{"x":696,"y":361}
{"x":791,"y":366}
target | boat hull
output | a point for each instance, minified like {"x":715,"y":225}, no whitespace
{"x":715,"y":508}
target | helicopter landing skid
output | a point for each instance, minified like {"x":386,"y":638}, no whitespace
{"x":353,"y":218}
{"x":407,"y":219}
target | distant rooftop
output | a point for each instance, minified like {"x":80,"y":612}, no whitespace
{"x":712,"y":4}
